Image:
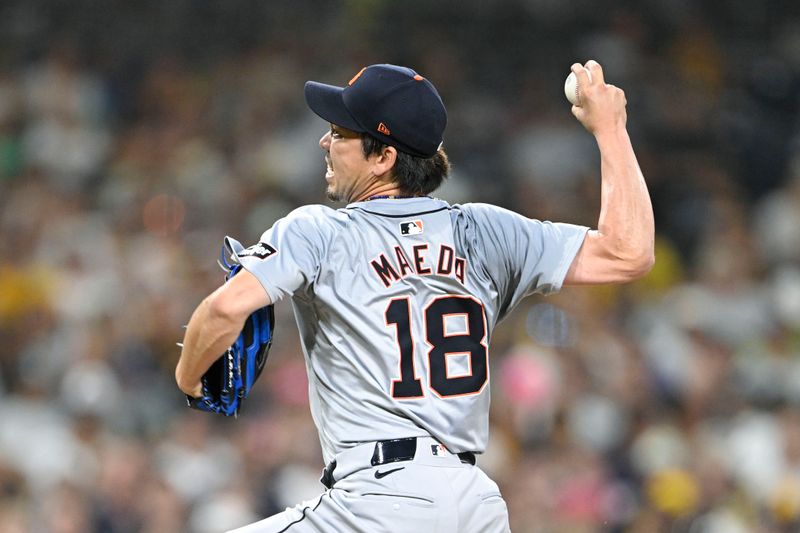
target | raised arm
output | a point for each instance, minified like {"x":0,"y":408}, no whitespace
{"x":214,"y":326}
{"x":621,"y":248}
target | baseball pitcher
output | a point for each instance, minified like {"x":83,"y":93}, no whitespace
{"x":396,"y":296}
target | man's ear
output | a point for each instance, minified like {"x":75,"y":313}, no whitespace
{"x":384,"y":162}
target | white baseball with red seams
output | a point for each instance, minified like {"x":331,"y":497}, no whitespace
{"x":572,"y":88}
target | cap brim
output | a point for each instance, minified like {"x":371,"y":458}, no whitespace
{"x":327,"y":102}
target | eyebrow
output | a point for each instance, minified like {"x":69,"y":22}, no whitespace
{"x":343,"y":131}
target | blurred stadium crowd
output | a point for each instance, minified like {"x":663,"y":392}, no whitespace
{"x":135,"y":135}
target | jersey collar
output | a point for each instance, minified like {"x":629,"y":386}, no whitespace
{"x":394,"y":206}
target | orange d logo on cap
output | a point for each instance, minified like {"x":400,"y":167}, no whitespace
{"x":360,"y":72}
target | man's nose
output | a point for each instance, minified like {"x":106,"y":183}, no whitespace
{"x":325,"y":141}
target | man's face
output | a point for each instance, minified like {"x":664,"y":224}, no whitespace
{"x":349,"y":171}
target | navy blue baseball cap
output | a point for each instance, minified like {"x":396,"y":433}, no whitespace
{"x":394,"y":104}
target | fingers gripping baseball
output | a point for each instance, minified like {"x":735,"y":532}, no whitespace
{"x":602,"y":106}
{"x":595,"y":70}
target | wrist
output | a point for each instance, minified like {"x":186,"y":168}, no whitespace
{"x":611,"y":134}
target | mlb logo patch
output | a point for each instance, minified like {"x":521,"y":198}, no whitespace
{"x":261,"y":250}
{"x":438,"y":450}
{"x":411,"y":227}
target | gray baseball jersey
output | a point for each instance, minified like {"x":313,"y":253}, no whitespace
{"x":396,"y":301}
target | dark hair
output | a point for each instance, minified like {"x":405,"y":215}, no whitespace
{"x":416,"y":176}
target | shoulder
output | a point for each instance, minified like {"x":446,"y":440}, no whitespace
{"x":496,"y":227}
{"x":312,"y":212}
{"x":314,"y":226}
{"x":316,"y":216}
{"x":485,"y":213}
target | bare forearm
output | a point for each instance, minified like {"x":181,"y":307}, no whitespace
{"x":215,"y":325}
{"x":621,"y":249}
{"x":208,"y":335}
{"x":626,"y":213}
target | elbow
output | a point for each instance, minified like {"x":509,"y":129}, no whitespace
{"x":645,"y":265}
{"x":640,"y":265}
{"x":630,"y":262}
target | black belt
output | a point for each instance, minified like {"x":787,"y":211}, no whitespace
{"x":391,"y":451}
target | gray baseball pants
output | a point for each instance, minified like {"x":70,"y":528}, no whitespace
{"x":433,"y":492}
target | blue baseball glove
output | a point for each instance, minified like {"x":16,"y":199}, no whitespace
{"x":228,"y":381}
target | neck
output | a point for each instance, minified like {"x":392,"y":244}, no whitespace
{"x":382,"y":190}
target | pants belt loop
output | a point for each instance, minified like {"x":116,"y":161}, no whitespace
{"x":327,"y":474}
{"x":467,"y":457}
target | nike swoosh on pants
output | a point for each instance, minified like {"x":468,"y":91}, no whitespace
{"x":379,"y":475}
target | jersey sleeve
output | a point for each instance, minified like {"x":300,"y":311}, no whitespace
{"x":522,"y":255}
{"x":288,"y":256}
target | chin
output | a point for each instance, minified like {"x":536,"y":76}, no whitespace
{"x":332,"y":195}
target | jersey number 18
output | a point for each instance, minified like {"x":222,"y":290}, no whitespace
{"x":470,"y":343}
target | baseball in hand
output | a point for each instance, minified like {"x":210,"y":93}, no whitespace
{"x":572,"y":88}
